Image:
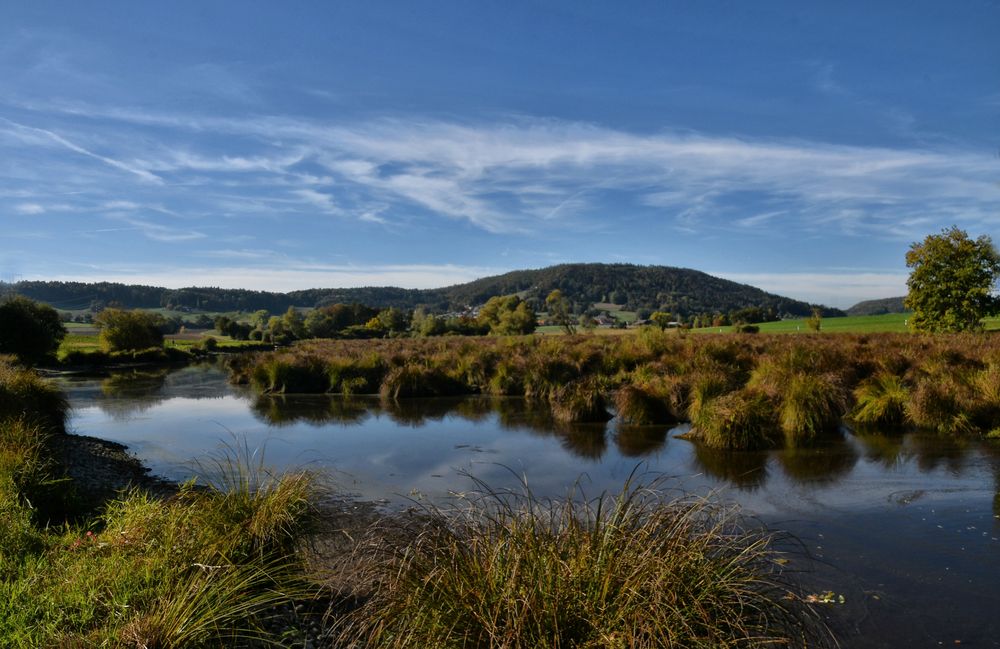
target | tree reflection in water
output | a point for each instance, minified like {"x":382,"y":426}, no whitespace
{"x":124,"y":395}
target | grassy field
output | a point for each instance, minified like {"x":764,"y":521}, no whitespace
{"x":887,"y":323}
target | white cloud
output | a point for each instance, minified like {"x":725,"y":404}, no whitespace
{"x":29,"y":208}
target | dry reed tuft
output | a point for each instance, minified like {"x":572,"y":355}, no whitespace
{"x":632,"y":570}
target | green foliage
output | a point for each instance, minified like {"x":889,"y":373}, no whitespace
{"x":128,"y":330}
{"x":632,"y":570}
{"x":25,"y":395}
{"x":951,"y":284}
{"x":29,"y":330}
{"x":507,"y":316}
{"x":661,"y":319}
{"x":815,"y":321}
{"x":560,"y":311}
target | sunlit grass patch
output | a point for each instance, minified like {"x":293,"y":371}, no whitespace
{"x":631,"y":570}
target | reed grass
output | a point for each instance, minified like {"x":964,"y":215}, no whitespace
{"x":812,"y":381}
{"x":508,"y":570}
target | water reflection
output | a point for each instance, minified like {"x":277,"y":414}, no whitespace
{"x":125,"y":395}
{"x":639,"y":441}
{"x":885,"y":449}
{"x":822,"y":463}
{"x":746,"y":470}
{"x":280,"y":410}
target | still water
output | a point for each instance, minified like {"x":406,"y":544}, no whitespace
{"x":906,"y":527}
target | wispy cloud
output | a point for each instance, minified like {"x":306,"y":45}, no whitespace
{"x":517,"y":175}
{"x":61,"y":141}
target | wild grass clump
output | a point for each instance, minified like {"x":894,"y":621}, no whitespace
{"x":740,"y":420}
{"x":637,"y":407}
{"x":204,"y":567}
{"x":579,"y":402}
{"x":811,"y":404}
{"x":409,"y":381}
{"x":632,"y":570}
{"x":288,"y":374}
{"x":881,"y":401}
{"x":26,"y":395}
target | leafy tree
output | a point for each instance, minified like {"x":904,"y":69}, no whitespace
{"x":507,"y":316}
{"x":29,"y":330}
{"x":128,"y":330}
{"x":815,"y":321}
{"x":661,"y":319}
{"x":560,"y":311}
{"x":951,"y":284}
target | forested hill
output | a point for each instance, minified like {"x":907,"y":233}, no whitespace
{"x":681,"y":291}
{"x":878,"y":307}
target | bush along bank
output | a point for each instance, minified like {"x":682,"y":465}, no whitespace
{"x":738,"y":392}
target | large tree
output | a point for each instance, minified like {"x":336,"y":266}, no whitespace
{"x":128,"y":330}
{"x":29,"y":330}
{"x":951,"y":284}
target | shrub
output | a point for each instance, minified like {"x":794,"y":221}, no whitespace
{"x":128,"y":330}
{"x":29,"y":330}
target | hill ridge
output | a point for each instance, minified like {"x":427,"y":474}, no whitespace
{"x":684,"y":292}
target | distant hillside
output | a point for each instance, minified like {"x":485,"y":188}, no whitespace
{"x":878,"y":307}
{"x":681,"y":291}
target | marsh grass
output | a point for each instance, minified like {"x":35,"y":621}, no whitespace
{"x":881,"y":401}
{"x":952,"y":382}
{"x":741,"y":420}
{"x":506,"y":569}
{"x":204,"y":567}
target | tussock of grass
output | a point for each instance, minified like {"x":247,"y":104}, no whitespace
{"x":202,"y":568}
{"x":25,"y":395}
{"x":633,"y":570}
{"x":637,"y":407}
{"x":579,"y":402}
{"x":741,"y":420}
{"x":812,"y":380}
{"x":811,"y":404}
{"x":881,"y":401}
{"x":410,"y":381}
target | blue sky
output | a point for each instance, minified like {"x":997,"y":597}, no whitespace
{"x":800,"y":147}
